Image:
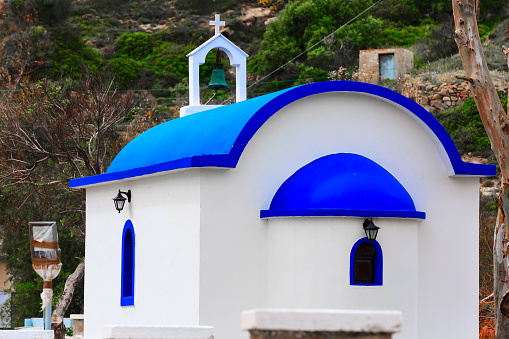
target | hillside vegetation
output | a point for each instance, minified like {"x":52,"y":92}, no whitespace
{"x":145,"y":42}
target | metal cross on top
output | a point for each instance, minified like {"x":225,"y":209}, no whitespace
{"x":217,"y":23}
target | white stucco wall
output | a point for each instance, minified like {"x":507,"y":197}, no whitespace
{"x":166,"y":215}
{"x":309,"y":266}
{"x":247,"y":261}
{"x":203,"y":255}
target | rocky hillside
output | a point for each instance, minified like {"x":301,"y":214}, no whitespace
{"x":144,"y":42}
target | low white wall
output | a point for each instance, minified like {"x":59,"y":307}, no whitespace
{"x":322,"y":320}
{"x":157,"y":332}
{"x":309,"y":266}
{"x":26,"y":334}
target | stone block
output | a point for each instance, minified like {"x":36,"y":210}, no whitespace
{"x":78,"y":324}
{"x":318,"y":324}
{"x":157,"y":332}
{"x":26,"y":334}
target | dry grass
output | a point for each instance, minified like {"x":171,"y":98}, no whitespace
{"x":486,"y":320}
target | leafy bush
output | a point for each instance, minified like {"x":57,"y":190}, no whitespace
{"x":404,"y":12}
{"x":106,"y":5}
{"x":439,"y":43}
{"x":135,"y":45}
{"x":54,"y":12}
{"x":205,"y":7}
{"x":126,"y":70}
{"x":170,"y":57}
{"x":405,"y":36}
{"x":303,"y":23}
{"x":465,"y":127}
{"x":68,"y":61}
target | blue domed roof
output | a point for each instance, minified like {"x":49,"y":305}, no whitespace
{"x":342,"y":184}
{"x":217,"y":137}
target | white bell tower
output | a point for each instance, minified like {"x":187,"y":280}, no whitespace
{"x":197,"y":57}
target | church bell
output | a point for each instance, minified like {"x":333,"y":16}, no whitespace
{"x":217,"y":80}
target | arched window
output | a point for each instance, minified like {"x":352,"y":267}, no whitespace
{"x":127,"y":284}
{"x":366,"y":263}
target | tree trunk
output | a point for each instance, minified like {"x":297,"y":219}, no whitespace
{"x":496,"y":123}
{"x":57,"y":319}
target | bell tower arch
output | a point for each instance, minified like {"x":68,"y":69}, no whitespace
{"x":197,"y":57}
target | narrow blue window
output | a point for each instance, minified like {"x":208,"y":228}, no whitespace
{"x":127,"y":284}
{"x":366,"y":263}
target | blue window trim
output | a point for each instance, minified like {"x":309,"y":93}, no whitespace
{"x":379,"y":262}
{"x":127,"y":301}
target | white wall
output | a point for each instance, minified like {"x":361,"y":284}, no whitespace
{"x":165,"y":213}
{"x":240,"y":255}
{"x":213,"y":257}
{"x":309,"y":266}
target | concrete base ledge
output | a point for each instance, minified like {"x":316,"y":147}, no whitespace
{"x":157,"y":332}
{"x":26,"y":334}
{"x":264,"y":334}
{"x":346,"y":321}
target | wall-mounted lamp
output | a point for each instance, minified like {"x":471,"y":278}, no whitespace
{"x":119,"y":200}
{"x":370,"y":229}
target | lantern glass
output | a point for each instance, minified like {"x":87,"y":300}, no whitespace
{"x":371,"y":234}
{"x":371,"y":229}
{"x":119,"y":201}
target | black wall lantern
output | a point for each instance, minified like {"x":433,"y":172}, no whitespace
{"x":370,"y":229}
{"x":119,"y":200}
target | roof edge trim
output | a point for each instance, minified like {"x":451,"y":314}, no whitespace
{"x":342,"y":213}
{"x":200,"y":161}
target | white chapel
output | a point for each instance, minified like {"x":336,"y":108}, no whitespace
{"x":267,"y":203}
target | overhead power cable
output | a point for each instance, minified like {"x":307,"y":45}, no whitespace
{"x":316,"y":44}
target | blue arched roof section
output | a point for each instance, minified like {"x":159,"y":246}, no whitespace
{"x":217,"y":137}
{"x":342,"y":184}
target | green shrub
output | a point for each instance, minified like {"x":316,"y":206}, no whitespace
{"x":439,"y":43}
{"x":54,"y":12}
{"x":205,"y":7}
{"x":135,"y":45}
{"x":466,"y":129}
{"x":170,"y":57}
{"x":67,"y":62}
{"x":405,"y":36}
{"x":125,"y":70}
{"x":303,"y":23}
{"x":404,"y":12}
